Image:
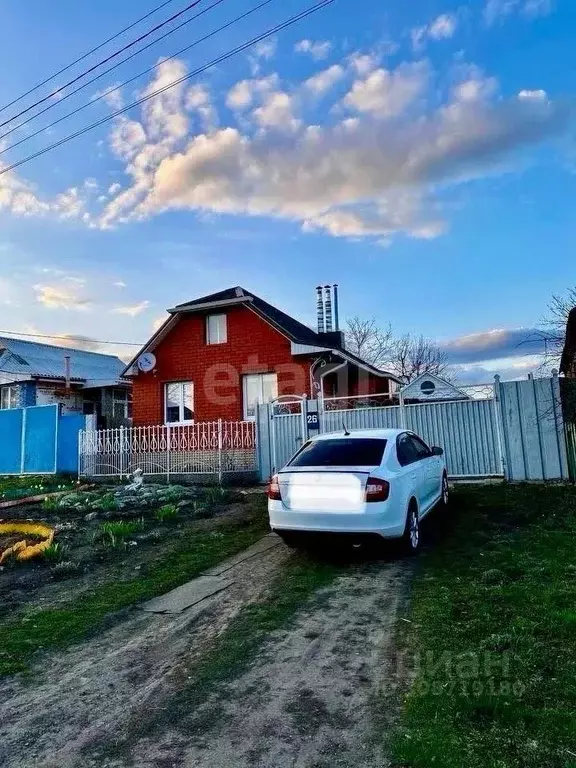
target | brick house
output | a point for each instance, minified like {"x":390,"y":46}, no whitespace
{"x":219,"y":355}
{"x":76,"y":380}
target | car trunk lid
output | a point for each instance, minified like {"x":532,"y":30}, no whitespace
{"x":330,"y":489}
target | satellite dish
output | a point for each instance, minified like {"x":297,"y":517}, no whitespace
{"x":146,"y":362}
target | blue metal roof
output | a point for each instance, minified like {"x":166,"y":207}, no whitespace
{"x":27,"y":358}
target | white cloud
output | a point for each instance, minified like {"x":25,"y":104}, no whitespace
{"x":538,"y":95}
{"x":498,"y":10}
{"x":133,"y":309}
{"x":119,"y":284}
{"x":112,"y":97}
{"x":68,"y":294}
{"x":114,"y":188}
{"x":373,"y":177}
{"x":388,"y":93}
{"x":318,"y":50}
{"x":324,"y":80}
{"x":364,"y":63}
{"x":442,"y":28}
{"x":244,"y":93}
{"x":263,"y":51}
{"x":277,"y":111}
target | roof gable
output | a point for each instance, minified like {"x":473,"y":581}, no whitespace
{"x":293,"y":329}
{"x":440,"y":389}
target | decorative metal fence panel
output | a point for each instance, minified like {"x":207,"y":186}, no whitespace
{"x":205,"y":448}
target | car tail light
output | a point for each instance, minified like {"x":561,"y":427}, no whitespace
{"x":377,"y":490}
{"x":274,"y":489}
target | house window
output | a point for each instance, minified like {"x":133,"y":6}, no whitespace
{"x":121,"y":404}
{"x":9,"y":397}
{"x":258,"y":388}
{"x":427,"y":387}
{"x":216,"y":330}
{"x":179,"y":402}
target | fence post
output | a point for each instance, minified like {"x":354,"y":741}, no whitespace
{"x":500,"y":425}
{"x":220,"y":451}
{"x":559,"y":426}
{"x":23,"y":440}
{"x":402,"y":411}
{"x":168,"y":447}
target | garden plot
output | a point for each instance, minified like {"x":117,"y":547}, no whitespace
{"x":109,"y":533}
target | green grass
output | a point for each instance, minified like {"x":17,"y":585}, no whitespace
{"x":167,"y":513}
{"x":493,"y":635}
{"x":19,"y":487}
{"x":75,"y":620}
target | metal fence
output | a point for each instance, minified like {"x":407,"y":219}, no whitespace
{"x":206,"y":448}
{"x":505,"y":429}
{"x":39,"y":440}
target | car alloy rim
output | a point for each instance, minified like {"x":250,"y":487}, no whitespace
{"x":414,"y":532}
{"x":445,"y":491}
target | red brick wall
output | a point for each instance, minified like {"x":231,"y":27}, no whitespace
{"x":253,"y":346}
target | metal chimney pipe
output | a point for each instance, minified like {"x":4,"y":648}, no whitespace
{"x":320,"y":308}
{"x":336,"y":313}
{"x":67,"y":370}
{"x":328,"y":306}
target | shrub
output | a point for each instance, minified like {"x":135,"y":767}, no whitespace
{"x":107,"y":503}
{"x":65,"y":569}
{"x":54,"y":553}
{"x":50,"y":504}
{"x":114,"y":533}
{"x":167,"y":513}
{"x":215,"y":495}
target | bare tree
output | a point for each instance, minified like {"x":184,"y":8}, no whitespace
{"x":370,"y":342}
{"x":552,"y":332}
{"x":414,"y":355}
{"x":407,"y":356}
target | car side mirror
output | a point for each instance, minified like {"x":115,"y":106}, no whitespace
{"x":437,"y":451}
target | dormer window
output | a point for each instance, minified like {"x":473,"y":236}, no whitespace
{"x":216,"y":330}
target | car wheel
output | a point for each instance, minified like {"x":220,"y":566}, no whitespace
{"x":411,"y":537}
{"x":445,"y":491}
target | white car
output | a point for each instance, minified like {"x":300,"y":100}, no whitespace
{"x":371,"y":481}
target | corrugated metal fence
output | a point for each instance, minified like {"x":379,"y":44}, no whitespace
{"x":39,"y":440}
{"x":517,"y":432}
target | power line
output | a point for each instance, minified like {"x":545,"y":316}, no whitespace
{"x":126,"y":82}
{"x":292,"y":20}
{"x":71,"y":338}
{"x":85,"y":55}
{"x":100,"y":63}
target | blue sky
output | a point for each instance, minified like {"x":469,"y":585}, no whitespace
{"x":419,"y":154}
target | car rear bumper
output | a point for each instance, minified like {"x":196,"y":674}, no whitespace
{"x":283,"y":519}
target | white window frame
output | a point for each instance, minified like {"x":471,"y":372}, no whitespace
{"x":221,"y":334}
{"x":181,"y":404}
{"x":260,"y":376}
{"x":12,"y":397}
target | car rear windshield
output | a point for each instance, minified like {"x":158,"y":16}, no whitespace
{"x":340,"y":452}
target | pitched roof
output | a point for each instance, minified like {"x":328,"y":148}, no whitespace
{"x":293,"y":328}
{"x":288,"y":325}
{"x":28,"y":358}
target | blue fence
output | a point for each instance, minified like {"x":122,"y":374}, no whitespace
{"x":39,"y":440}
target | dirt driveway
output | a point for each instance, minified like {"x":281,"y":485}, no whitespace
{"x":307,"y":700}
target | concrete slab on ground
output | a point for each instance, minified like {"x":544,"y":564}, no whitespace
{"x":187,"y":595}
{"x":261,"y":546}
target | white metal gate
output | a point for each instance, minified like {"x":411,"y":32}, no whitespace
{"x":467,"y":430}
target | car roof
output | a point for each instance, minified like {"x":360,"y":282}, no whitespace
{"x":381,"y":434}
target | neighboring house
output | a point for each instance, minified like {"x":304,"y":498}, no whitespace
{"x":219,"y":355}
{"x":429,"y":388}
{"x":79,"y":381}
